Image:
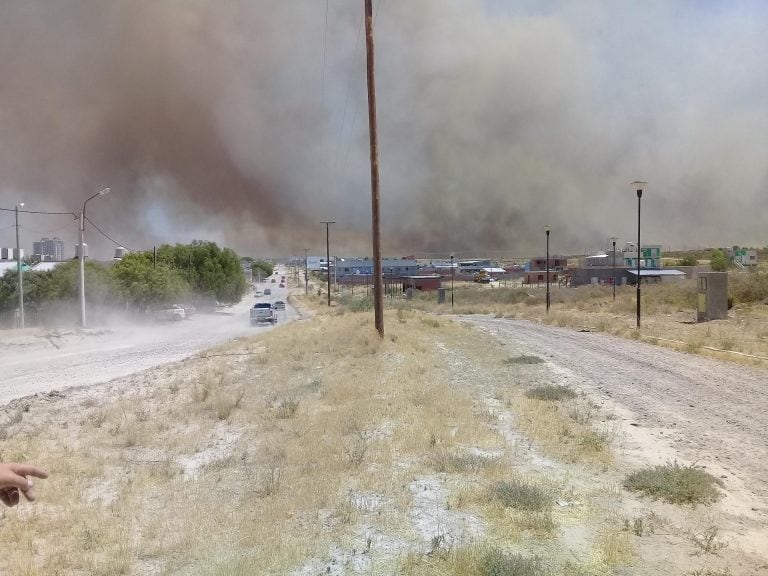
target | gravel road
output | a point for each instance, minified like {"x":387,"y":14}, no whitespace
{"x":36,"y":361}
{"x":711,"y":412}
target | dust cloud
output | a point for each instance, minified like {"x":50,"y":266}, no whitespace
{"x":220,"y":120}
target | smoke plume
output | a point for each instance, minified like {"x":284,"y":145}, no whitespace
{"x":245,"y":122}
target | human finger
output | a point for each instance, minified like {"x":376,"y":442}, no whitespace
{"x":29,"y":470}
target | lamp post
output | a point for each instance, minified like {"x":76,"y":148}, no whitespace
{"x":328,"y":255}
{"x":452,"y":274}
{"x":306,"y":272}
{"x":613,"y":255}
{"x":638,"y":185}
{"x":82,"y":253}
{"x":546,"y":228}
{"x":18,"y":266}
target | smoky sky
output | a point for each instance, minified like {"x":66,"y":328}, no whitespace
{"x":245,"y":122}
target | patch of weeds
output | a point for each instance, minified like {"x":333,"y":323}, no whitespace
{"x":431,"y":322}
{"x":637,"y":526}
{"x":522,"y":496}
{"x":675,"y":484}
{"x":523,"y":359}
{"x":224,"y":403}
{"x":708,"y":541}
{"x":594,"y":441}
{"x":581,"y":414}
{"x":451,"y":461}
{"x":286,"y":409}
{"x":709,"y":572}
{"x":614,"y":547}
{"x":727,"y":342}
{"x":550,"y":393}
{"x":268,"y":480}
{"x":355,"y":448}
{"x":475,"y":561}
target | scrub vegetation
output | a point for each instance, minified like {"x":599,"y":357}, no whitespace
{"x":318,"y":445}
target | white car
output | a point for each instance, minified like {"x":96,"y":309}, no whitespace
{"x":171,"y":313}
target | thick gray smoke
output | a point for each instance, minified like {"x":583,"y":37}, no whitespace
{"x":212,"y":120}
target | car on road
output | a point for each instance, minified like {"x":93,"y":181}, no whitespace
{"x":263,"y":313}
{"x":170,"y":313}
{"x":273,"y":280}
{"x":282,"y":285}
{"x":267,"y":291}
{"x":279,"y":305}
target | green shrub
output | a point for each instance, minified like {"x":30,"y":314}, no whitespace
{"x":675,"y":484}
{"x":522,"y":496}
{"x":523,"y":359}
{"x":550,"y":393}
{"x":745,"y":288}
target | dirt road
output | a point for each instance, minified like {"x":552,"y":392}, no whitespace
{"x":697,"y":409}
{"x":38,"y":361}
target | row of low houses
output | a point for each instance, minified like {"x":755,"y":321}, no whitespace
{"x":608,"y":267}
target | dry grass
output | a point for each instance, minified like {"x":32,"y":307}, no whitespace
{"x":668,"y":311}
{"x":268,"y":446}
{"x":310,"y":440}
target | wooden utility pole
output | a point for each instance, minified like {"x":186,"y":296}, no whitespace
{"x":378,"y":297}
{"x":328,"y":255}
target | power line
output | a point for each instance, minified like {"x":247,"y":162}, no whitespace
{"x":355,"y":113}
{"x":39,"y":212}
{"x":105,"y":234}
{"x":28,"y":229}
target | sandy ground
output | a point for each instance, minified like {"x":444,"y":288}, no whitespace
{"x":42,"y":360}
{"x":673,"y":406}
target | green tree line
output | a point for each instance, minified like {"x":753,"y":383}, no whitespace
{"x":183,"y":272}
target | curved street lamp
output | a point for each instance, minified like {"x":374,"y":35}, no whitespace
{"x":82,"y":253}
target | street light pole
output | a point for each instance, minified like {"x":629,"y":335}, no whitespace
{"x":452,"y":275}
{"x":547,"y":266}
{"x":306,"y":272}
{"x":328,"y":255}
{"x":613,"y":255}
{"x":82,"y":253}
{"x":639,"y":187}
{"x":18,"y":266}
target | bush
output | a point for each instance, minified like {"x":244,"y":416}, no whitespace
{"x":523,"y":359}
{"x":745,"y":288}
{"x":675,"y":484}
{"x":517,"y":494}
{"x":550,"y":393}
{"x":718,"y":261}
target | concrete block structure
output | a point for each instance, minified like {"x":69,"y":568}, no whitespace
{"x":712,"y":302}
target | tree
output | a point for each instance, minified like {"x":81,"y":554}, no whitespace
{"x":718,"y":261}
{"x":263,"y":268}
{"x":142,"y":284}
{"x":210,"y":271}
{"x":688,"y":260}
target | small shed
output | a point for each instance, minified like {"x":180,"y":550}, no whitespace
{"x":423,"y":282}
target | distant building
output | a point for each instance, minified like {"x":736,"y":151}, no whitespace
{"x":347,"y":268}
{"x":741,"y":256}
{"x":650,"y":256}
{"x":536,"y":270}
{"x":48,"y":250}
